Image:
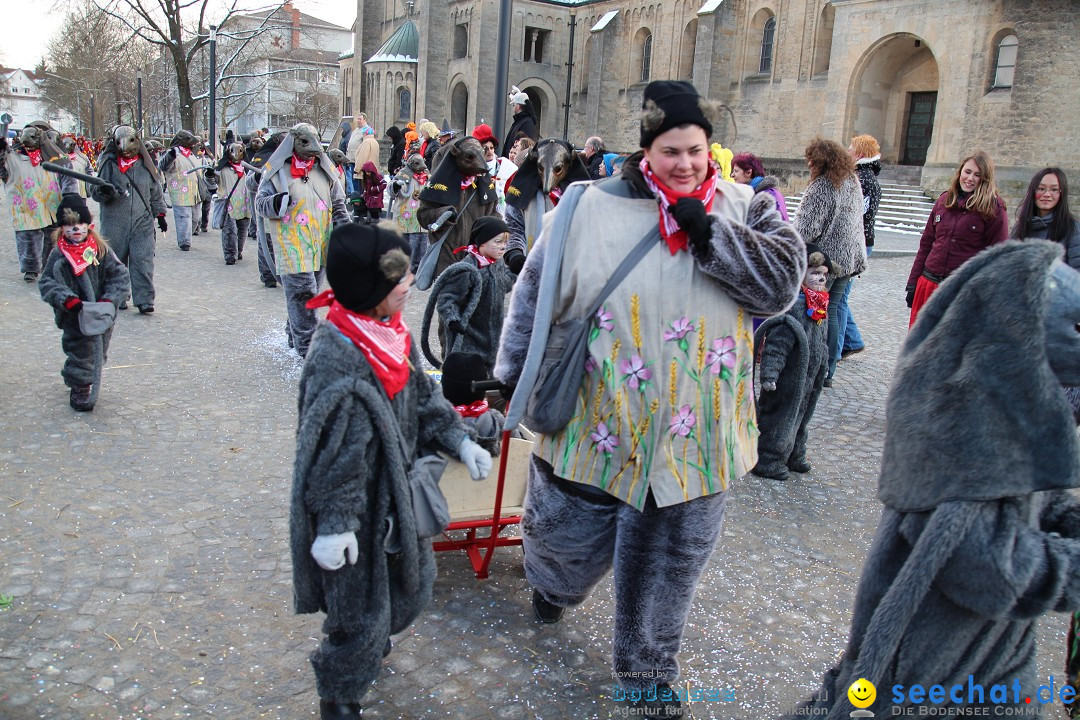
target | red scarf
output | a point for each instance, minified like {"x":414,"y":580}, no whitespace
{"x":817,"y":304}
{"x":475,"y":252}
{"x":466,"y":183}
{"x":300,"y":168}
{"x":421,"y":178}
{"x":673,"y":235}
{"x":80,"y":256}
{"x":386,"y":345}
{"x":186,"y":152}
{"x":35,"y":157}
{"x":239,"y":169}
{"x":555,"y":195}
{"x":126,"y":163}
{"x":474,"y":409}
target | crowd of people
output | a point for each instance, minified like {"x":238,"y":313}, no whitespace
{"x":677,"y":278}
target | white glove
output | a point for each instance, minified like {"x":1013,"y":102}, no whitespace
{"x":330,"y":550}
{"x":768,"y":385}
{"x":476,"y":458}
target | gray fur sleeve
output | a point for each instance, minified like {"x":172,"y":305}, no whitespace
{"x":157,"y":199}
{"x":51,"y":284}
{"x":264,"y":197}
{"x":517,"y":328}
{"x":117,"y":281}
{"x":440,"y":427}
{"x":515,"y":220}
{"x":814,"y":210}
{"x":339,"y":212}
{"x":452,"y":292}
{"x":759,"y":264}
{"x":1062,"y":514}
{"x":778,"y":346}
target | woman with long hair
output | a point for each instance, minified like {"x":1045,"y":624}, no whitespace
{"x":830,"y":216}
{"x":1044,"y":213}
{"x":967,"y":218}
{"x":866,"y":152}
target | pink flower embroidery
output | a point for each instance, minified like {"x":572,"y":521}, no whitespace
{"x":16,"y":199}
{"x":302,"y":219}
{"x":602,"y":438}
{"x":603,"y":320}
{"x":320,"y":205}
{"x":28,"y":183}
{"x":721,"y":356}
{"x":679,"y":329}
{"x":590,"y":364}
{"x":175,"y":185}
{"x":183,"y":189}
{"x":635,"y":372}
{"x":31,"y":204}
{"x":55,"y":186}
{"x":682,"y":423}
{"x":287,"y":218}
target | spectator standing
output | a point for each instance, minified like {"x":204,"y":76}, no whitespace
{"x":593,"y":156}
{"x":524,"y":118}
{"x":747,"y":169}
{"x":866,"y":152}
{"x":1044,"y":213}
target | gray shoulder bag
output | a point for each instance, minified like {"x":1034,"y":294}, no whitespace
{"x":95,"y":318}
{"x":554,"y":396}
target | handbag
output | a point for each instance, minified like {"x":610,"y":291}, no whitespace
{"x":425,"y":272}
{"x":220,"y":208}
{"x":554,"y":396}
{"x":95,"y":318}
{"x":430,"y":511}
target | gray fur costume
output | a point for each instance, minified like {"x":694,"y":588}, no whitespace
{"x":474,"y":297}
{"x":794,"y":356}
{"x":58,"y":283}
{"x":128,"y":215}
{"x":349,"y":477}
{"x":977,"y":538}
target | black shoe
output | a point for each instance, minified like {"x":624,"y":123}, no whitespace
{"x":772,"y":472}
{"x":270,"y":283}
{"x":195,"y":232}
{"x":122,"y":305}
{"x":185,"y":248}
{"x":799,"y":466}
{"x":827,"y":383}
{"x":29,"y":277}
{"x":230,"y":261}
{"x":545,"y":612}
{"x":664,"y":704}
{"x":239,"y":256}
{"x":80,"y":398}
{"x":146,"y":308}
{"x":851,"y":351}
{"x":329,"y":710}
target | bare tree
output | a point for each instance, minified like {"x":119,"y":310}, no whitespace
{"x":316,"y":106}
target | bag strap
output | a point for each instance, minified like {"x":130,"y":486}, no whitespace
{"x":633,"y":258}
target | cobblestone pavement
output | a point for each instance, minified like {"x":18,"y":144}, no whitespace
{"x":144,"y":544}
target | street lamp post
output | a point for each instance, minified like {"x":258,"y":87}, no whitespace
{"x":213,"y":90}
{"x":93,"y":124}
{"x":138,"y":95}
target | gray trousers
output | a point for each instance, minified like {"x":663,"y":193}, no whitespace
{"x":138,"y":254}
{"x":30,"y":244}
{"x":572,"y":540}
{"x":299,"y":288}
{"x":81,"y":365}
{"x":418,"y":245}
{"x":267,"y":263}
{"x":182,"y":225}
{"x":233,"y":237}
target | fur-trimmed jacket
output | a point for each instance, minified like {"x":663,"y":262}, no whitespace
{"x":666,"y":403}
{"x":769,"y":184}
{"x":350,"y":476}
{"x":794,"y":356}
{"x":472,"y":297}
{"x":833,"y":219}
{"x":58,"y":283}
{"x":868,"y":169}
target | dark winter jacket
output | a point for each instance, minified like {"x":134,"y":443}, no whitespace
{"x":58,"y":284}
{"x":346,"y":133}
{"x":349,"y":476}
{"x":471,"y":297}
{"x":953,"y":236}
{"x":374,"y":186}
{"x":793,"y":354}
{"x":430,"y":149}
{"x":592,"y":164}
{"x":130,"y":215}
{"x":832,"y":219}
{"x":978,"y":537}
{"x":525,"y":122}
{"x":868,"y":169}
{"x":1039,"y":227}
{"x":397,"y":150}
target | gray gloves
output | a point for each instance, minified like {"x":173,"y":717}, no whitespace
{"x":476,"y":459}
{"x":330,"y":550}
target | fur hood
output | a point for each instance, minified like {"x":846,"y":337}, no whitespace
{"x":975,"y":412}
{"x":768,"y":182}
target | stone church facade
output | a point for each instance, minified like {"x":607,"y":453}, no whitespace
{"x":931,"y":79}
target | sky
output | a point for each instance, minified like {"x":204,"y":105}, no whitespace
{"x":23,"y":49}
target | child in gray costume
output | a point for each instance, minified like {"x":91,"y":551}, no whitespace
{"x":81,"y":269}
{"x":469,"y":295}
{"x":979,"y":536}
{"x":362,"y":397}
{"x":794,"y":361}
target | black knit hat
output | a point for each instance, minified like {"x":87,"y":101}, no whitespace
{"x":485,"y":228}
{"x":364,"y":263}
{"x":668,"y":104}
{"x":458,"y":372}
{"x":73,"y":210}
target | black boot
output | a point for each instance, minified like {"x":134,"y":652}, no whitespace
{"x":545,"y":612}
{"x":80,"y":398}
{"x":771,"y":470}
{"x":799,"y":465}
{"x":330,"y":710}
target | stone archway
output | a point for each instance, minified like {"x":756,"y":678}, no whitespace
{"x":893,"y":96}
{"x":537,"y":99}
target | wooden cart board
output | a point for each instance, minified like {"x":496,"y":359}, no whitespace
{"x":470,"y":498}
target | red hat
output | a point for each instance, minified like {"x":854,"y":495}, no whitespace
{"x":482,"y":132}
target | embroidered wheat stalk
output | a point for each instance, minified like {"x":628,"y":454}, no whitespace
{"x":672,"y":381}
{"x":635,"y":320}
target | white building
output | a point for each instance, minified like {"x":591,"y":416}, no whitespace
{"x":20,"y":97}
